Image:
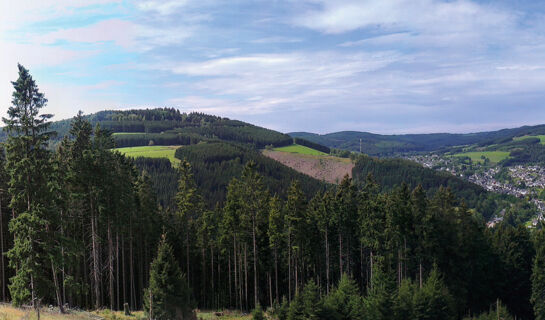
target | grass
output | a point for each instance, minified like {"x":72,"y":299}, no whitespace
{"x":151,"y":152}
{"x":126,"y":133}
{"x":493,"y":156}
{"x":295,"y":148}
{"x":541,"y":138}
{"x":8,"y":312}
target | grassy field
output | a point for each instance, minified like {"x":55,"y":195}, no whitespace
{"x":295,"y":148}
{"x":541,"y":138}
{"x":126,"y":133}
{"x":494,"y":156}
{"x":8,"y":312}
{"x":151,"y":152}
{"x":228,"y":315}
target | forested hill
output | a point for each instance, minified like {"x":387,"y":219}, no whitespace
{"x":169,"y":126}
{"x":391,"y":145}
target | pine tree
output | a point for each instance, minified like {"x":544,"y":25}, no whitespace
{"x":189,"y":204}
{"x":29,"y":169}
{"x":168,"y":295}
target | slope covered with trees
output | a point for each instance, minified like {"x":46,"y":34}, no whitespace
{"x":83,"y":229}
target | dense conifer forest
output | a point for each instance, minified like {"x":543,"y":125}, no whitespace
{"x":84,"y":226}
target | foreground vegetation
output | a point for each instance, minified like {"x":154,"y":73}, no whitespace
{"x":84,"y":229}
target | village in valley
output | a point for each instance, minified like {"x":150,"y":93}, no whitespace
{"x":522,"y":181}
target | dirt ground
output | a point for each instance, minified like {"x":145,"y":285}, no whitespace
{"x":325,"y":168}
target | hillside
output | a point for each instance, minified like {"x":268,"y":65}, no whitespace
{"x":393,"y":145}
{"x":321,"y":167}
{"x":218,"y":148}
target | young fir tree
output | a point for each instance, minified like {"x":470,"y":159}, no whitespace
{"x":29,"y":170}
{"x":307,"y":304}
{"x":168,"y":295}
{"x":433,"y":301}
{"x":345,"y":300}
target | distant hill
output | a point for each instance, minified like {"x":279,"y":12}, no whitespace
{"x":394,"y":145}
{"x":169,"y":126}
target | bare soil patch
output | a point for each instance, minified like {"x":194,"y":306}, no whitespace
{"x":326,"y":168}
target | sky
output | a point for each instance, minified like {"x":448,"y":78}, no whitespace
{"x":384,"y":66}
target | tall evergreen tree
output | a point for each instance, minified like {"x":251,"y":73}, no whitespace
{"x":29,"y":169}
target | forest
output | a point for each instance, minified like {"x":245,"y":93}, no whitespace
{"x":81,"y":226}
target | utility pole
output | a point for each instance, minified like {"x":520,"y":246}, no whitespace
{"x":360,"y":145}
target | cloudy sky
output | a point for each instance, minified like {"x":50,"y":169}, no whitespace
{"x":385,"y":66}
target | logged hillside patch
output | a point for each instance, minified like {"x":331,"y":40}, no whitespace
{"x":320,"y":167}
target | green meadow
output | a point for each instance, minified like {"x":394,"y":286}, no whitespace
{"x":126,"y":133}
{"x":540,"y":137}
{"x":295,"y":148}
{"x":151,"y":152}
{"x":476,"y":156}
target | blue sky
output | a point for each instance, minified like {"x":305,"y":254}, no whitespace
{"x":385,"y":66}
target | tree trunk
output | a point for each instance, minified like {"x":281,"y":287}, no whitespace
{"x":117,"y":267}
{"x":327,"y":260}
{"x":203,"y":280}
{"x":371,"y":264}
{"x":340,"y":254}
{"x":245,"y":276}
{"x":270,"y":290}
{"x":230,"y":288}
{"x":2,"y":252}
{"x":131,"y":269}
{"x":276,"y":274}
{"x":111,"y":266}
{"x":236,"y":274}
{"x":289,"y":267}
{"x":33,"y":296}
{"x":187,"y":255}
{"x":57,"y":288}
{"x":420,"y":271}
{"x":94,"y":253}
{"x":123,"y":268}
{"x":255,"y":261}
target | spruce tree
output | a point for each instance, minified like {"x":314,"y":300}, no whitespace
{"x":29,"y":170}
{"x":168,"y":295}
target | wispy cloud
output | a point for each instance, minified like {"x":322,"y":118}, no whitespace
{"x":385,"y":66}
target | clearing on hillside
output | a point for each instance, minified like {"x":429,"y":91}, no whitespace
{"x":151,"y":152}
{"x":296,"y":148}
{"x":540,"y":137}
{"x":322,"y":167}
{"x":494,"y":156}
